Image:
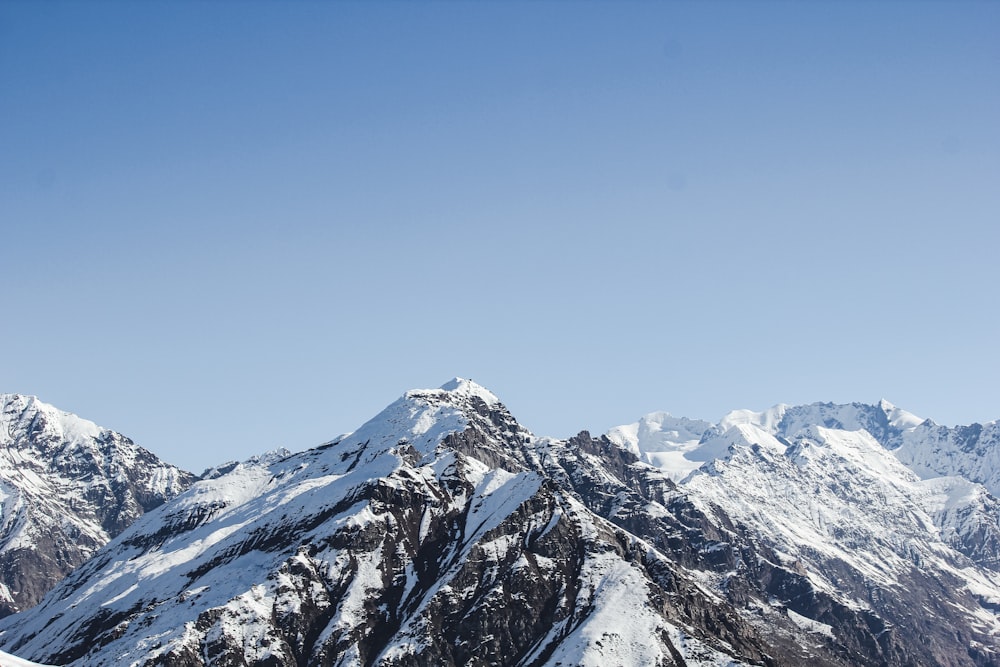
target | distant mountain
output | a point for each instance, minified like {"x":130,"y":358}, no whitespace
{"x":953,"y":474}
{"x":67,"y":486}
{"x":442,"y":532}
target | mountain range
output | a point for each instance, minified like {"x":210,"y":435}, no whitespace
{"x":443,"y":532}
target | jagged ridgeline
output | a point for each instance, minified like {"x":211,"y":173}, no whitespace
{"x":442,"y":532}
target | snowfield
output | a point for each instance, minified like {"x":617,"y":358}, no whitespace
{"x":7,"y":660}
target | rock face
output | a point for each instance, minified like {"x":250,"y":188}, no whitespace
{"x":67,"y":487}
{"x":444,"y":533}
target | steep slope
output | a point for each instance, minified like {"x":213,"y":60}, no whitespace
{"x":441,"y":532}
{"x":960,"y":466}
{"x":971,"y":452}
{"x":67,"y":487}
{"x":837,"y":506}
{"x":833,"y":490}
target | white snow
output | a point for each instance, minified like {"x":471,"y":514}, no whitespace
{"x":663,"y":441}
{"x":743,"y":434}
{"x":973,"y":452}
{"x":809,"y":625}
{"x":65,"y":426}
{"x":818,"y":486}
{"x":899,"y":418}
{"x":622,"y":630}
{"x":767,"y":420}
{"x":8,"y":660}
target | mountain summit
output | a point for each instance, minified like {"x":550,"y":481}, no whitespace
{"x":67,"y":486}
{"x":443,"y":532}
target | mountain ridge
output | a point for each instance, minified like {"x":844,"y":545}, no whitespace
{"x":442,"y":531}
{"x":929,"y":449}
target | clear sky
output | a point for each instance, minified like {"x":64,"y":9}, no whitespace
{"x":232,"y":226}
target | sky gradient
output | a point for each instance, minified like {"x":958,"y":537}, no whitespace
{"x":228,"y":227}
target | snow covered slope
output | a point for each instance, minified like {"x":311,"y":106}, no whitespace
{"x":663,"y":441}
{"x":7,"y":660}
{"x":879,"y":509}
{"x":67,"y":486}
{"x":443,"y":532}
{"x":928,"y":449}
{"x":840,"y":508}
{"x":971,"y":452}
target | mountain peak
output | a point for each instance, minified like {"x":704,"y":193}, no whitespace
{"x":423,"y":418}
{"x":67,"y":486}
{"x":23,"y":415}
{"x":898,"y":417}
{"x":462,"y":387}
{"x":457,"y":392}
{"x":767,"y":420}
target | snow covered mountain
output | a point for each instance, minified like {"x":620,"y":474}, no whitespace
{"x":443,"y":532}
{"x":880,"y":509}
{"x":958,"y":468}
{"x":67,"y":487}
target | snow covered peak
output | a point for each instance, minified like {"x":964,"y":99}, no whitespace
{"x":883,"y":420}
{"x":679,"y":446}
{"x":423,"y":418}
{"x":460,"y":387}
{"x":738,"y":435}
{"x":899,"y":418}
{"x":67,"y":486}
{"x":20,"y":414}
{"x":662,"y":440}
{"x":767,"y":420}
{"x":657,"y":432}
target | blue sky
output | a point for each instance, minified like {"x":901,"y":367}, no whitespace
{"x":228,"y":227}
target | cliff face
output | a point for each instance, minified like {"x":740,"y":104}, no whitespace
{"x":443,"y":532}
